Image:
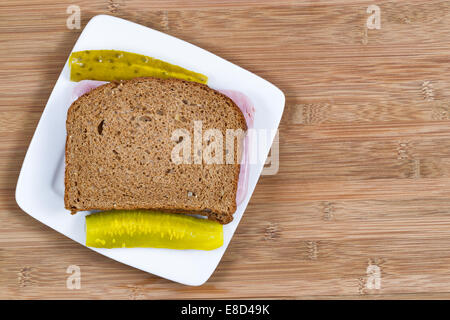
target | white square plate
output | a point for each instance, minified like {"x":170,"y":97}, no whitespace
{"x":40,"y":187}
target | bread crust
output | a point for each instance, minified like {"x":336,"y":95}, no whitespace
{"x":220,"y":216}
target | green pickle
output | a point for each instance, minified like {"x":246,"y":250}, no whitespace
{"x":109,"y":65}
{"x":151,"y":229}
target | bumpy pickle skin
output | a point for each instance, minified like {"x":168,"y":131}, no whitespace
{"x":151,"y":229}
{"x":109,"y":65}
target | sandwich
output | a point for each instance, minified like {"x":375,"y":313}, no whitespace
{"x":169,"y":145}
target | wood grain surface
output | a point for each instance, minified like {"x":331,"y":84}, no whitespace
{"x":363,"y":188}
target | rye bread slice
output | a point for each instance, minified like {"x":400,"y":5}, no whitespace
{"x":119,"y":145}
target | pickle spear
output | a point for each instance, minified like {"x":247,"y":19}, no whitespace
{"x":151,"y":229}
{"x":109,"y":65}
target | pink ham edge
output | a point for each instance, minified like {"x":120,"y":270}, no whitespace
{"x":84,"y":86}
{"x":241,"y":100}
{"x":246,"y":106}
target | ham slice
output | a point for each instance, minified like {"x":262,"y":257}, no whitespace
{"x":246,"y":106}
{"x":84,"y":86}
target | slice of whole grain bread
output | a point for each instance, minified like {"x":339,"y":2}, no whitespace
{"x":119,"y":149}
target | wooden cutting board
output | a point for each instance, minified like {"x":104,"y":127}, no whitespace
{"x":360,"y":206}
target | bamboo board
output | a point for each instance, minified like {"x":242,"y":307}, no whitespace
{"x":360,"y":207}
